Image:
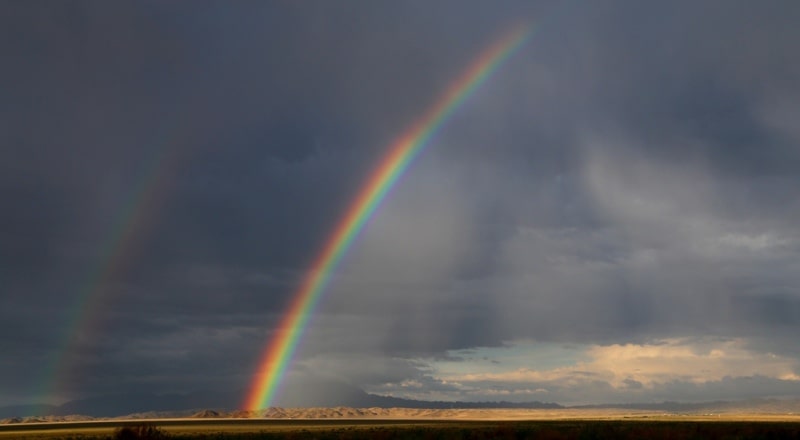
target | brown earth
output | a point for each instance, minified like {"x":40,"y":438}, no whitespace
{"x":772,"y":412}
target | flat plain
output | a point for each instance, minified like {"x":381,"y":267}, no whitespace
{"x":434,"y":424}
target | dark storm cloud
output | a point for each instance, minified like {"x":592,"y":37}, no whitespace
{"x":262,"y":105}
{"x":630,"y":174}
{"x":648,"y":187}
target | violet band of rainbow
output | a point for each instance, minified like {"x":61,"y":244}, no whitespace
{"x":401,"y":153}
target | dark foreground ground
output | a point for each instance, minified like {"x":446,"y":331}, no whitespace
{"x":249,"y":429}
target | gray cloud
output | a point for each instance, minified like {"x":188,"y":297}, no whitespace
{"x":630,"y":175}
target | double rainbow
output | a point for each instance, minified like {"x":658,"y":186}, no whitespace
{"x":402,"y":152}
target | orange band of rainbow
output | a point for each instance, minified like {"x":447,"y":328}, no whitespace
{"x":402,"y":152}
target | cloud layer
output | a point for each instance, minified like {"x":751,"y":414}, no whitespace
{"x":626,"y":184}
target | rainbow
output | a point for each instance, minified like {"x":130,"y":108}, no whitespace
{"x":132,"y":222}
{"x":281,"y":348}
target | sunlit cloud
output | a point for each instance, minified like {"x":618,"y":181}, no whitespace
{"x":618,"y":372}
{"x":649,"y":364}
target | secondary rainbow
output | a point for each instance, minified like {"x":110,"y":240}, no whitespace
{"x":84,"y":317}
{"x":282,"y":346}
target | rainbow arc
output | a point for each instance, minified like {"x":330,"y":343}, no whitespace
{"x":401,"y":153}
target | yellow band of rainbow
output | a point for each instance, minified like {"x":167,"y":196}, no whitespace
{"x":402,"y":152}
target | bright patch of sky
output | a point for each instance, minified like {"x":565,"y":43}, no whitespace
{"x":514,"y":355}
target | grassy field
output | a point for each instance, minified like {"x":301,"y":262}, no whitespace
{"x":251,"y":429}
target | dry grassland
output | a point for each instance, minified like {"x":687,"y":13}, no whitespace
{"x":395,"y":423}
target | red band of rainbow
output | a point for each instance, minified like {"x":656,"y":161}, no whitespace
{"x":402,"y":152}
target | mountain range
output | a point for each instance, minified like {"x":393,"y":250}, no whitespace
{"x":336,"y":394}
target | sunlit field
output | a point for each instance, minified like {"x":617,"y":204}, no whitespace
{"x":564,"y":426}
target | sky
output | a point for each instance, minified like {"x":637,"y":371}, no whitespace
{"x":610,"y":217}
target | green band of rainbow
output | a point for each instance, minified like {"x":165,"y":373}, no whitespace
{"x":401,"y":153}
{"x":83,"y":319}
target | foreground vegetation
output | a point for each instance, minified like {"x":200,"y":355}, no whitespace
{"x":444,"y":430}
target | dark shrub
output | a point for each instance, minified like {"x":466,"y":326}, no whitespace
{"x":140,"y":432}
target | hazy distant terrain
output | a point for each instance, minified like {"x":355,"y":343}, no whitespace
{"x":340,"y":395}
{"x":746,"y":410}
